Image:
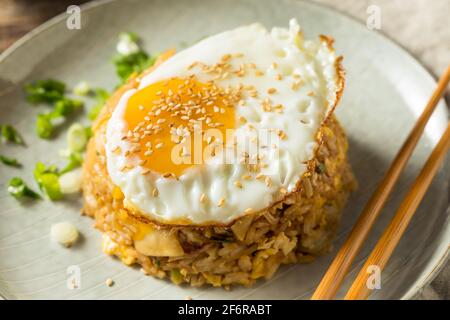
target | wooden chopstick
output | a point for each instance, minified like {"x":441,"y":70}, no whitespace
{"x":392,"y":234}
{"x":341,"y":264}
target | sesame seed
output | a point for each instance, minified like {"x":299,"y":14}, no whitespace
{"x":242,"y":119}
{"x":238,"y":184}
{"x":268,"y":181}
{"x":192,"y":65}
{"x":159,"y":145}
{"x":155,"y":192}
{"x":266,"y":107}
{"x":202,"y":198}
{"x":248,"y":210}
{"x":246,"y":177}
{"x":281,"y":134}
{"x":135,"y":149}
{"x":283,"y":190}
{"x":295,"y":85}
{"x":116,"y":149}
{"x":271,"y":90}
{"x":221,"y":202}
{"x":226,"y":57}
{"x":109,"y":282}
{"x":279,"y":108}
{"x":253,"y":93}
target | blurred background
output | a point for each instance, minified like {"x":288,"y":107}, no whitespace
{"x":17,"y":17}
{"x":421,"y":26}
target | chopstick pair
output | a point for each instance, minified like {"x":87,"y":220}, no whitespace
{"x":380,"y":255}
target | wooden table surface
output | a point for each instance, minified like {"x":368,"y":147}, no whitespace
{"x":17,"y":17}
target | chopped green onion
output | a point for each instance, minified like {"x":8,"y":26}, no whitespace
{"x":19,"y":189}
{"x":52,"y":92}
{"x":129,"y":36}
{"x":10,"y":134}
{"x":101,"y":95}
{"x":66,"y":107}
{"x":126,"y":65}
{"x":10,"y":161}
{"x":77,"y":137}
{"x":45,"y":91}
{"x":70,"y":182}
{"x":321,"y":168}
{"x":48,"y":178}
{"x":175,"y":276}
{"x":89,"y":132}
{"x":75,"y":160}
{"x":128,"y":43}
{"x":82,"y":89}
{"x":48,"y":181}
{"x":63,"y":108}
{"x":44,"y":126}
{"x":95,"y":110}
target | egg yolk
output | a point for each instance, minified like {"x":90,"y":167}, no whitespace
{"x":169,"y":119}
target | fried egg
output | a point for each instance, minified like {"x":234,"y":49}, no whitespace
{"x":223,"y":128}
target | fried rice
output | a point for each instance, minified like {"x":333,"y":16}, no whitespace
{"x":295,"y":230}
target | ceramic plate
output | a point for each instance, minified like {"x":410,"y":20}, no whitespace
{"x":386,"y":90}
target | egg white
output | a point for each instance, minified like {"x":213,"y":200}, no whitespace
{"x":281,"y":51}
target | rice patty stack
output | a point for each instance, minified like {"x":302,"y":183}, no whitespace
{"x":223,"y":161}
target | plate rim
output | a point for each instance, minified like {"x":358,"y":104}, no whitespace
{"x":439,"y":257}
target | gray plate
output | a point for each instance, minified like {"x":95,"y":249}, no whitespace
{"x":386,"y":90}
